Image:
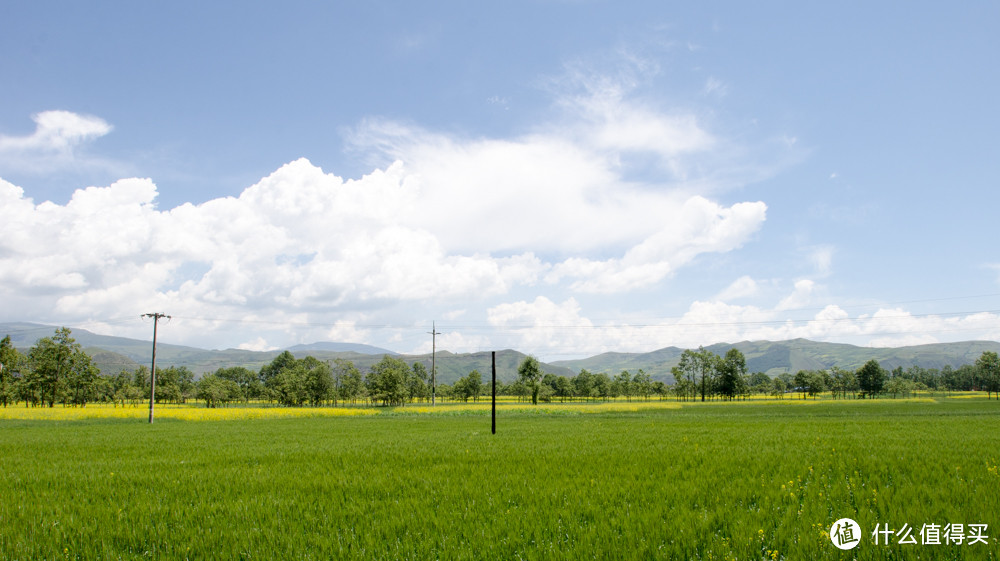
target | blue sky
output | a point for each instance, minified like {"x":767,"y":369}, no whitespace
{"x":564,"y":178}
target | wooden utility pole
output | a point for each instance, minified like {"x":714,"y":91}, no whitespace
{"x":434,"y":333}
{"x":152,"y":374}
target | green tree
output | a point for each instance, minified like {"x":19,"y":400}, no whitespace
{"x":386,"y":382}
{"x":529,"y":372}
{"x":602,"y":386}
{"x":318,"y":382}
{"x":564,"y":388}
{"x":988,"y":369}
{"x":642,"y":384}
{"x":731,"y":372}
{"x":475,"y":384}
{"x":623,"y":384}
{"x":871,"y":378}
{"x":418,"y":382}
{"x":347,"y":380}
{"x":697,"y":367}
{"x":216,"y":390}
{"x":61,"y":370}
{"x":583,"y":383}
{"x":269,"y":371}
{"x":760,"y":383}
{"x":247,"y":380}
{"x":11,"y":363}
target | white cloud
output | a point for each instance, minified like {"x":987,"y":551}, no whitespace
{"x":444,"y":221}
{"x":258,"y":344}
{"x":57,"y":130}
{"x":742,"y":287}
{"x":800,"y":298}
{"x":54,"y":143}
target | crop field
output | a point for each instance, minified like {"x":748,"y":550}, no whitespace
{"x":640,"y":480}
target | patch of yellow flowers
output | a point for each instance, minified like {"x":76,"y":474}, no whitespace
{"x":198,"y":412}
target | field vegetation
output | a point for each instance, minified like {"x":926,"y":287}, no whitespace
{"x":617,"y":480}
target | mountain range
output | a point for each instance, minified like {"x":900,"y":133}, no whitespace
{"x":112,"y":354}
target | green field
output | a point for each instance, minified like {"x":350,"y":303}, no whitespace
{"x":717,"y":481}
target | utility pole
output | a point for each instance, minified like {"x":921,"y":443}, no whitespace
{"x":152,"y":374}
{"x":434,"y":333}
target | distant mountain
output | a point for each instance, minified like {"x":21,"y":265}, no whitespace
{"x":120,"y":352}
{"x":359,"y":348}
{"x":112,"y":354}
{"x":776,"y":357}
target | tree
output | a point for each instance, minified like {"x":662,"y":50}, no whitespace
{"x":564,"y":388}
{"x":801,"y":381}
{"x":602,"y":386}
{"x":529,"y":372}
{"x":816,"y":383}
{"x":247,"y":380}
{"x":418,"y":382}
{"x":216,"y":390}
{"x":779,"y":388}
{"x":386,"y":382}
{"x":698,"y":367}
{"x":475,"y":384}
{"x":347,"y":380}
{"x":269,"y":371}
{"x":732,"y":370}
{"x":622,"y":385}
{"x":61,"y":370}
{"x":318,"y":381}
{"x":583,"y":383}
{"x":871,"y":378}
{"x":11,"y":363}
{"x":760,"y":383}
{"x":642,"y":384}
{"x":988,"y":369}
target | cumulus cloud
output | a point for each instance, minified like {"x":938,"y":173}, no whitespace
{"x":443,"y":218}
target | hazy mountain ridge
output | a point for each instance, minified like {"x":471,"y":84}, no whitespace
{"x":775,"y":357}
{"x":112,"y":354}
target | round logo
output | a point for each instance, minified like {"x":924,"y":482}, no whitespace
{"x":845,"y":533}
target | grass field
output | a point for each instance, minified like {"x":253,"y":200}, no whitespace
{"x":757,"y":480}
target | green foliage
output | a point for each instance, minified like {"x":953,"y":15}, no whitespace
{"x":715,"y":481}
{"x":871,"y":379}
{"x":988,"y":367}
{"x":732,"y":371}
{"x":59,"y":370}
{"x":216,"y":390}
{"x":386,"y":382}
{"x":348,"y":381}
{"x":529,"y":373}
{"x":11,"y":365}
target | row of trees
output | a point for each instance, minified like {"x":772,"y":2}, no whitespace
{"x":56,"y":370}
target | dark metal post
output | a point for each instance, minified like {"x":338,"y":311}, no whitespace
{"x":494,"y":392}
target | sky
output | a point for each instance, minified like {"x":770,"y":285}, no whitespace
{"x":560,"y":177}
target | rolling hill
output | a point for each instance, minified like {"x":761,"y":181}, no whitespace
{"x":112,"y":354}
{"x":776,"y":357}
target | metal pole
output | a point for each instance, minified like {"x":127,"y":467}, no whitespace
{"x":494,"y":392}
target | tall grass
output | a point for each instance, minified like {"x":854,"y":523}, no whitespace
{"x":715,"y":481}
